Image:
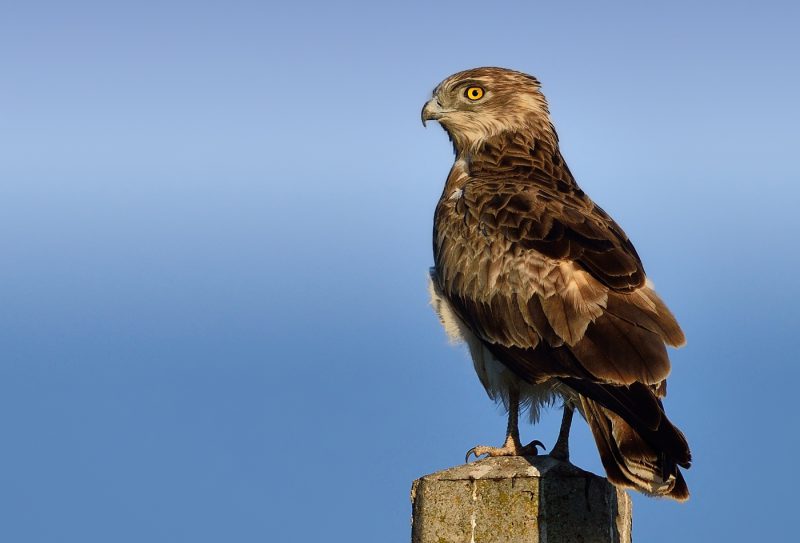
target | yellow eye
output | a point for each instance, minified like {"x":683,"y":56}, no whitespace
{"x":474,"y":93}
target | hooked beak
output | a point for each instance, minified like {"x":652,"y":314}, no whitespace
{"x":431,"y":111}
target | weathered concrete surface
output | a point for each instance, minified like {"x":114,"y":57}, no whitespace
{"x":533,"y":499}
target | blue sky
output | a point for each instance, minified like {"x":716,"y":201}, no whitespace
{"x":215,"y":226}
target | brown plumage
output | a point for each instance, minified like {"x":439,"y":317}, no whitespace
{"x":545,"y":287}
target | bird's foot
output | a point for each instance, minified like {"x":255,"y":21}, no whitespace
{"x":510,"y":448}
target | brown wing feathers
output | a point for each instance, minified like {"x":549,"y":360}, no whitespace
{"x":617,"y":351}
{"x":555,"y":289}
{"x":644,"y":309}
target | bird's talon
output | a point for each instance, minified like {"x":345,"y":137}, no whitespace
{"x":473,"y":451}
{"x":509,"y":449}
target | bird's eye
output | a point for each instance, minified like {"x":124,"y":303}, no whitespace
{"x":474,"y":93}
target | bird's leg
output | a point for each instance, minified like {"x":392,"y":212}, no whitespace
{"x":512,"y":445}
{"x":560,"y":450}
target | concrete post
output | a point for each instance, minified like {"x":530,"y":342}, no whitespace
{"x":533,"y":499}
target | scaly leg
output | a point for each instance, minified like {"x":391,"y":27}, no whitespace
{"x":512,"y":445}
{"x":560,"y":450}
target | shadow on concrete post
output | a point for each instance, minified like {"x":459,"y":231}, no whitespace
{"x":518,"y":499}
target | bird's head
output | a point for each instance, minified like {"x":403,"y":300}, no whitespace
{"x":476,"y":105}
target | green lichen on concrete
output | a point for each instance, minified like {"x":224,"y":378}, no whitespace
{"x":516,"y":499}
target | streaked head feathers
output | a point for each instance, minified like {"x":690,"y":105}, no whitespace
{"x":478,"y":104}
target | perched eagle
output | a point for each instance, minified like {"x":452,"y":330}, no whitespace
{"x":545,"y":288}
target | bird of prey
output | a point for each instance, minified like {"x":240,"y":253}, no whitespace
{"x":545,"y":288}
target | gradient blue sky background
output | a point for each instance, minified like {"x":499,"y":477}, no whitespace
{"x":215,"y":229}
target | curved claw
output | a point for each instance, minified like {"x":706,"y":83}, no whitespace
{"x":470,"y":453}
{"x":535,"y":443}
